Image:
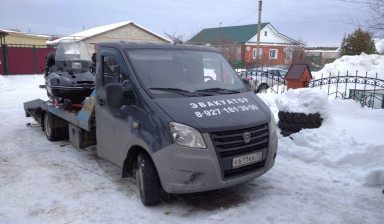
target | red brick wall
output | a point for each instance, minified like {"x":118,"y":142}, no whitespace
{"x":265,"y":60}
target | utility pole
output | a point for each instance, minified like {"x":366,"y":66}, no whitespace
{"x":258,"y":34}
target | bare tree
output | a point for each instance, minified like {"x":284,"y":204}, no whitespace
{"x":175,"y":37}
{"x":376,"y":21}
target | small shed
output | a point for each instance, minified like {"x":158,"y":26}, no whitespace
{"x":298,"y":76}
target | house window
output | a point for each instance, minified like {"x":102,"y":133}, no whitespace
{"x":255,"y":52}
{"x":265,"y":33}
{"x":273,"y":54}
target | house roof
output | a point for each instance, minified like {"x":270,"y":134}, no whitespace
{"x":233,"y":34}
{"x":102,"y":29}
{"x":296,"y":71}
{"x":23,"y":34}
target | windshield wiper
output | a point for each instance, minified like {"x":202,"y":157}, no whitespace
{"x":180,"y":91}
{"x":218,"y":90}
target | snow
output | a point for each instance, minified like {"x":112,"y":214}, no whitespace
{"x":27,"y":34}
{"x":307,"y":101}
{"x":365,"y":65}
{"x":333,"y":174}
{"x":98,"y":30}
{"x":379,"y":43}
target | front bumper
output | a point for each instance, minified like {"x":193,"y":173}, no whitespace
{"x":188,"y":170}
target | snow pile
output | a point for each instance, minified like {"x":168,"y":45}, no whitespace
{"x":379,"y":43}
{"x":363,"y":63}
{"x":304,"y":100}
{"x":349,"y":139}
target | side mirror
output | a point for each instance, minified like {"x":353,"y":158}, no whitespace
{"x":114,"y":92}
{"x":118,"y":95}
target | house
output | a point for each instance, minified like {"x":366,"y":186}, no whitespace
{"x":239,"y":43}
{"x":15,"y":38}
{"x":321,"y":55}
{"x":127,"y":31}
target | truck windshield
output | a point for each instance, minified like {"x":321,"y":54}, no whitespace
{"x":184,"y":72}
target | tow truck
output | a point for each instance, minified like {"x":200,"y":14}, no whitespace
{"x":174,"y":116}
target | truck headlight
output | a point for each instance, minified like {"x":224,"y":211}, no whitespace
{"x":186,"y":136}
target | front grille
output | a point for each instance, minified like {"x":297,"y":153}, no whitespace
{"x":231,"y":144}
{"x":86,"y":82}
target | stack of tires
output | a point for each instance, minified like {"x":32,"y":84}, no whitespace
{"x":290,"y":123}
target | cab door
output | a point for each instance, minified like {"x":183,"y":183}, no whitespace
{"x":113,"y":125}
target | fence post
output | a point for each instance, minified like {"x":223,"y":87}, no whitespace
{"x":5,"y":59}
{"x":337,"y":83}
{"x":329,"y":82}
{"x":273,"y":76}
{"x":346,"y":84}
{"x":374,"y":92}
{"x":321,"y":80}
{"x":354,"y":92}
{"x":365,"y":81}
{"x":365,"y":85}
{"x":278,"y":84}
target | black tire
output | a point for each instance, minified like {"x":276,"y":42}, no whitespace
{"x":147,"y":180}
{"x":55,"y":128}
{"x":262,"y":88}
{"x":294,"y":122}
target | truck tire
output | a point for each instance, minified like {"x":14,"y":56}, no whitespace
{"x":290,"y":123}
{"x":55,"y":128}
{"x":262,"y":88}
{"x":147,"y":180}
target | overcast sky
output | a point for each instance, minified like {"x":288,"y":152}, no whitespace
{"x":316,"y":22}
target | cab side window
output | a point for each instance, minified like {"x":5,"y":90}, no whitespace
{"x":112,"y":71}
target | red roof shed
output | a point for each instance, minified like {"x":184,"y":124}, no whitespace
{"x":298,"y":76}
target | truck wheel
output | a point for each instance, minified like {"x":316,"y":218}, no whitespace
{"x":55,"y":129}
{"x":147,"y":180}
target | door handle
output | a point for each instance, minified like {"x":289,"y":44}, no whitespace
{"x":101,"y":102}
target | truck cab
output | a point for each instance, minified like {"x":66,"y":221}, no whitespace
{"x":179,"y":119}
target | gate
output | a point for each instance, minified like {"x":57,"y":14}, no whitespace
{"x":22,"y":59}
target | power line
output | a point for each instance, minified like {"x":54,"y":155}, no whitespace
{"x":243,"y":18}
{"x":353,"y":1}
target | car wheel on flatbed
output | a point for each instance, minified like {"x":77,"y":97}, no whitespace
{"x":55,"y":128}
{"x":147,"y":180}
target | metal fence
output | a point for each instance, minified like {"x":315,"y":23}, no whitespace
{"x":22,"y":59}
{"x":261,"y":81}
{"x":368,"y":90}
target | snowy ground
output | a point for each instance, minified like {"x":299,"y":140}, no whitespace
{"x":334,"y":174}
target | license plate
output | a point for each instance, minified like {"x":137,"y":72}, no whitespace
{"x":247,"y":159}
